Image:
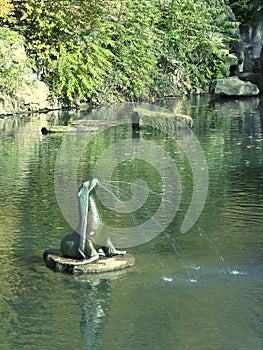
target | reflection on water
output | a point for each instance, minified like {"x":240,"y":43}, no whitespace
{"x":198,"y":290}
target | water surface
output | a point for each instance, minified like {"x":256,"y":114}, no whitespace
{"x":196,"y":290}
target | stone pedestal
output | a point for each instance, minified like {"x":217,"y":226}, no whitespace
{"x":58,"y":263}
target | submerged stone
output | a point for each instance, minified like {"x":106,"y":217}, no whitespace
{"x":55,"y":261}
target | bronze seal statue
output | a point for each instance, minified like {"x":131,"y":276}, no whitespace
{"x":80,"y":243}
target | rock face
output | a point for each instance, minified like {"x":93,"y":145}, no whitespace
{"x":233,"y":86}
{"x":252,"y":50}
{"x":252,"y":38}
{"x":8,"y":105}
{"x":30,"y":95}
{"x":34,"y":95}
{"x":247,"y":48}
{"x":260,"y":83}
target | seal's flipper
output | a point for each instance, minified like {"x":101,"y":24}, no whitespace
{"x":109,"y":249}
{"x":81,"y":253}
{"x":87,"y":261}
{"x":90,"y":249}
{"x":92,"y":258}
{"x":109,"y":252}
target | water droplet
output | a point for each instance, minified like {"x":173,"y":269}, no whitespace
{"x":235,"y":272}
{"x":167,"y":279}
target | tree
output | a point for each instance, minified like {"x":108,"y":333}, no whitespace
{"x":193,"y":42}
{"x":110,"y":50}
{"x":132,"y":28}
{"x":60,"y":39}
{"x":6,"y":10}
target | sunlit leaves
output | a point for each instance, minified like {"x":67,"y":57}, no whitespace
{"x":247,"y":11}
{"x":122,"y":49}
{"x":60,"y":38}
{"x":190,"y":28}
{"x":13,"y":60}
{"x":6,"y":9}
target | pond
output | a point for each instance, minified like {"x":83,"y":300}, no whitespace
{"x":187,"y":203}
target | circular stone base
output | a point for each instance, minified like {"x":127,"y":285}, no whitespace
{"x":58,"y":263}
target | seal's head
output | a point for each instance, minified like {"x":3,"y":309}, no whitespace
{"x":90,"y":185}
{"x":86,"y":188}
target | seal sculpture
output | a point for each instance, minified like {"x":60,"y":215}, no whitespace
{"x":80,"y":243}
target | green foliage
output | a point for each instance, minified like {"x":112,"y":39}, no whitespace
{"x":246,"y":11}
{"x":60,"y":39}
{"x":13,"y":61}
{"x":110,"y":50}
{"x":6,"y":10}
{"x":132,"y":27}
{"x":193,"y":42}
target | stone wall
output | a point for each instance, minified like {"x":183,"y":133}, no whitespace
{"x":260,"y":82}
{"x":252,"y":46}
{"x":248,"y":66}
{"x":252,"y":38}
{"x":30,"y":94}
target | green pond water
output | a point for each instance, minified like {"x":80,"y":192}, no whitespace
{"x":196,"y":288}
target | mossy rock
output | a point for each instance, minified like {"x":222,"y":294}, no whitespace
{"x":163,"y":120}
{"x":55,"y":261}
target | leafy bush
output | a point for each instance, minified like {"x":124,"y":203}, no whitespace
{"x":6,"y":10}
{"x":60,"y":39}
{"x":132,"y":28}
{"x":13,"y":60}
{"x":193,"y":42}
{"x":120,"y":49}
{"x":246,"y":11}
